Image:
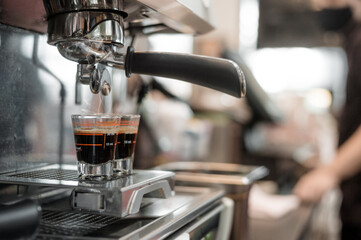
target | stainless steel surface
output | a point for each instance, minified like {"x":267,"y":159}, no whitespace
{"x":84,"y":73}
{"x":31,"y":102}
{"x":86,"y":37}
{"x":81,"y":33}
{"x":183,"y":213}
{"x":118,"y":197}
{"x":145,"y":17}
{"x":81,"y":29}
{"x":157,"y":220}
{"x":215,"y":173}
{"x":92,"y":26}
{"x":115,"y":201}
{"x":159,"y":189}
{"x":235,"y":179}
{"x":185,"y":16}
{"x":56,"y":6}
{"x":207,"y":223}
{"x":98,"y":79}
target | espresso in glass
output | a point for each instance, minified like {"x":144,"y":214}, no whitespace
{"x":95,"y":139}
{"x":127,"y":136}
{"x":125,"y":144}
{"x":94,"y":147}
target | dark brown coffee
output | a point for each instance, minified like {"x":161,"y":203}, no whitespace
{"x":125,"y":145}
{"x":95,"y":147}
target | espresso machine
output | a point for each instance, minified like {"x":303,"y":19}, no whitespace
{"x":94,"y":35}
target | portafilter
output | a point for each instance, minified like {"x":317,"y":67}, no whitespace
{"x":92,"y":31}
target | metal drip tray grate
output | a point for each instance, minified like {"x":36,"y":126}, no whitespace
{"x":67,"y":176}
{"x":50,"y":175}
{"x":53,"y":174}
{"x":154,"y":221}
{"x":56,"y":224}
{"x":73,"y":223}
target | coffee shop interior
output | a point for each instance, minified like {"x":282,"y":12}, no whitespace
{"x":211,"y":148}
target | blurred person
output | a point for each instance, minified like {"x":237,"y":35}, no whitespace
{"x":345,"y":168}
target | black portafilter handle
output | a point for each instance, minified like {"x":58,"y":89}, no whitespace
{"x":216,"y":73}
{"x":19,"y":220}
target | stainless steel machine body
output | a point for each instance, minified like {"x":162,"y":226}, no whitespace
{"x":119,"y":197}
{"x":190,"y":211}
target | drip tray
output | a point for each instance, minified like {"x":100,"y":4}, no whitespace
{"x":154,"y":221}
{"x":119,"y":197}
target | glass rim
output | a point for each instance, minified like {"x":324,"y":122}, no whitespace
{"x":133,"y":116}
{"x":102,"y":115}
{"x":94,"y":116}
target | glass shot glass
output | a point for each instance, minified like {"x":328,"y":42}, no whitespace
{"x":95,"y":141}
{"x":124,"y":152}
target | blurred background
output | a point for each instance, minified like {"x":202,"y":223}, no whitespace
{"x":296,"y":73}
